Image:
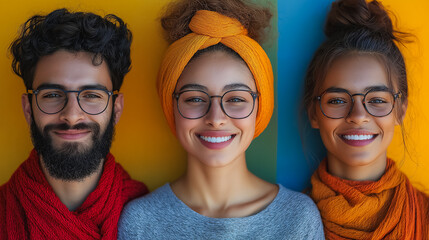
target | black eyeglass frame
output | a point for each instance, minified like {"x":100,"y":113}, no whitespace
{"x":252,"y":93}
{"x":395,"y":96}
{"x":109,"y":93}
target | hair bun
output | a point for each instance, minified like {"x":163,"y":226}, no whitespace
{"x":352,"y":15}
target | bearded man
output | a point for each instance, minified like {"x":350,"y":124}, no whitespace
{"x":70,"y":187}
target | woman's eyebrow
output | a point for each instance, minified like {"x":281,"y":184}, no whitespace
{"x":370,"y":88}
{"x":193,"y":86}
{"x":377,"y":88}
{"x":336,"y":89}
{"x":236,"y":86}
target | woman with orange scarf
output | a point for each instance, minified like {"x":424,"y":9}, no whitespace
{"x":356,"y":91}
{"x":216,"y":90}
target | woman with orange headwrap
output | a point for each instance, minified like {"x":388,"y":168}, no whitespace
{"x":216,"y":90}
{"x":356,"y":92}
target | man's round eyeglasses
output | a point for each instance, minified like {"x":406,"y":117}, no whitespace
{"x":92,"y":101}
{"x":236,"y":104}
{"x":339,"y":103}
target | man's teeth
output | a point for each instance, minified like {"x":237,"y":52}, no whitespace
{"x":216,"y":139}
{"x":358,"y":137}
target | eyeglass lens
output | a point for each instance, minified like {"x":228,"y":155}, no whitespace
{"x":196,"y":104}
{"x":92,"y":101}
{"x":339,"y":104}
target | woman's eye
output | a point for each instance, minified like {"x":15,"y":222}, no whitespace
{"x":236,"y":99}
{"x":195,"y":100}
{"x":377,"y":101}
{"x":336,"y":101}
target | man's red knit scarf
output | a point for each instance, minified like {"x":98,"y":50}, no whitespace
{"x":29,"y":209}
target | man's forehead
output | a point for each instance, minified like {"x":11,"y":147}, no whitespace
{"x":71,"y":71}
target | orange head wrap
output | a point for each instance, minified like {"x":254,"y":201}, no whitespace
{"x":210,"y":28}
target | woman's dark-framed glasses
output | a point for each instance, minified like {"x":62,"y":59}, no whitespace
{"x":92,"y":101}
{"x":338,"y":104}
{"x":236,"y":104}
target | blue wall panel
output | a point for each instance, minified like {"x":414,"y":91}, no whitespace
{"x":300,"y":33}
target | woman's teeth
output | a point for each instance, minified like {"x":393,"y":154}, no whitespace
{"x":358,"y":137}
{"x":216,"y":139}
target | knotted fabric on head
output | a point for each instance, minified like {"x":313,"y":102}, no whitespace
{"x":210,"y":28}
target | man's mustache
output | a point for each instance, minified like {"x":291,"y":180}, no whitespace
{"x":94,"y":127}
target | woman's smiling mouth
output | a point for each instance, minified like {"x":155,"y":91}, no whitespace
{"x":215,"y":140}
{"x":358,"y":138}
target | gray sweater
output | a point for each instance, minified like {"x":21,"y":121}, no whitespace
{"x":161,"y":215}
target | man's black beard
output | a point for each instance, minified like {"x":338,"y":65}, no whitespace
{"x":72,"y":161}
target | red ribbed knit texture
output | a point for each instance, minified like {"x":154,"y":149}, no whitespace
{"x":29,"y":209}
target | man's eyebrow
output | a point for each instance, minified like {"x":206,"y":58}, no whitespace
{"x":98,"y":86}
{"x":193,"y":86}
{"x":53,"y":85}
{"x":50,"y":85}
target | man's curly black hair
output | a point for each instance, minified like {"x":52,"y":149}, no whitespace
{"x":108,"y":39}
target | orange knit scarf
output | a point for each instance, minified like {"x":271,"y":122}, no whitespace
{"x":390,"y":208}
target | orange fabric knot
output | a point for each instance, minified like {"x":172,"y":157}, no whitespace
{"x":215,"y":25}
{"x":210,"y":28}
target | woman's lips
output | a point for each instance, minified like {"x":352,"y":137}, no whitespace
{"x":358,"y":138}
{"x":71,"y":134}
{"x":215,"y":140}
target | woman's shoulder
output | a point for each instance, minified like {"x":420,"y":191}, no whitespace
{"x":295,"y":199}
{"x":138,"y":216}
{"x":154,"y":200}
{"x":141,"y":211}
{"x":298,"y":206}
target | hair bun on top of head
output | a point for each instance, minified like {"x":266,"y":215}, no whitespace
{"x":353,"y":15}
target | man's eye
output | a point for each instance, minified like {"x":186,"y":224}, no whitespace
{"x":91,"y":95}
{"x":52,"y":95}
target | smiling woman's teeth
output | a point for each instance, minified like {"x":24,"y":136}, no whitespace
{"x":358,"y":137}
{"x":216,"y":139}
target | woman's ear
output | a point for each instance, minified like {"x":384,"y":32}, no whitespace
{"x":311,"y":112}
{"x":402,"y":109}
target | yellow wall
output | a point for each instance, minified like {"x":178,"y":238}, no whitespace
{"x":413,"y":17}
{"x":142,"y":134}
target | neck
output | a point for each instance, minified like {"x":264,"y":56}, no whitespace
{"x":73,"y":193}
{"x":219,"y":191}
{"x":357,"y":170}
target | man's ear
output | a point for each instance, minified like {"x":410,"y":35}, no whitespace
{"x":311,"y":112}
{"x":26,"y":107}
{"x":119,"y":106}
{"x":403,"y":109}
